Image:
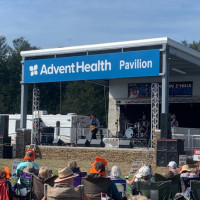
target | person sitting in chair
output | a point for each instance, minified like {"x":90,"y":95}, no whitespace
{"x":115,"y":176}
{"x":97,"y":183}
{"x":173,"y":167}
{"x":63,"y":187}
{"x":73,"y":166}
{"x":29,"y":157}
{"x":143,"y":174}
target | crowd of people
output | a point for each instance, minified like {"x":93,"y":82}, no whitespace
{"x":34,"y":182}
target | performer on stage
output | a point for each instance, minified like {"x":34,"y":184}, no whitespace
{"x":145,"y":127}
{"x":174,"y":122}
{"x":94,"y":125}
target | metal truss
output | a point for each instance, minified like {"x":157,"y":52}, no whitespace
{"x":148,"y":100}
{"x":35,"y":139}
{"x":154,"y":110}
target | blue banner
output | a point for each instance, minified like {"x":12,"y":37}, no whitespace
{"x":91,"y":67}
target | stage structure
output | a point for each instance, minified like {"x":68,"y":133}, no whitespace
{"x":154,"y":110}
{"x":115,"y":65}
{"x":35,"y":135}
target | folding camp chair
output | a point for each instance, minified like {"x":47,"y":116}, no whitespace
{"x":4,"y":194}
{"x":121,"y":189}
{"x":77,"y":179}
{"x":120,"y":184}
{"x":38,"y":186}
{"x":195,"y":189}
{"x":186,"y":183}
{"x":63,"y":192}
{"x":176,"y":182}
{"x":24,"y":181}
{"x":95,"y":187}
{"x":155,"y":190}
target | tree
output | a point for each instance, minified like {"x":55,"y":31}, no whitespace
{"x":4,"y":53}
{"x":84,"y":98}
{"x":194,"y":45}
{"x":14,"y":76}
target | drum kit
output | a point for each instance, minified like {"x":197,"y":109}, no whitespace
{"x":138,"y":130}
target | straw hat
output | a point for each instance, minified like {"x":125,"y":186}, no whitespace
{"x":185,"y":168}
{"x":45,"y":173}
{"x":64,"y":174}
{"x":30,"y":169}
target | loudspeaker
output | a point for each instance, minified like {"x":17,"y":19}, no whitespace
{"x":5,"y":140}
{"x":83,"y":143}
{"x":163,"y":158}
{"x":5,"y":151}
{"x":124,"y":144}
{"x":96,"y":143}
{"x":170,"y":145}
{"x":165,"y":125}
{"x":4,"y":120}
{"x":57,"y":142}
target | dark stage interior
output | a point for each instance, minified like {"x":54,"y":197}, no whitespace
{"x":186,"y":113}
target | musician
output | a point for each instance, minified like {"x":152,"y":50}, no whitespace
{"x":94,"y":125}
{"x":174,"y":122}
{"x":145,"y":127}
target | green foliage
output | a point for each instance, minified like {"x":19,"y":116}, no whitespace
{"x":84,"y":98}
{"x":10,"y":74}
{"x":194,"y":45}
{"x":80,"y":97}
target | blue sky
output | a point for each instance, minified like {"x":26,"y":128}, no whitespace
{"x":60,"y":23}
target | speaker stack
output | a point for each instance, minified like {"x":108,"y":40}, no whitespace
{"x":169,"y":150}
{"x":5,"y":141}
{"x":165,"y":125}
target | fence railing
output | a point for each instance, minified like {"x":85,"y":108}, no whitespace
{"x":191,"y":136}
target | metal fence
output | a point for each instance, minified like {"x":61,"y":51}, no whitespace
{"x":191,"y":136}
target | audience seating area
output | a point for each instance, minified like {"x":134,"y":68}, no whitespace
{"x":70,"y":185}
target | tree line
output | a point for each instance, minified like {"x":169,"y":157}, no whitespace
{"x":80,"y":97}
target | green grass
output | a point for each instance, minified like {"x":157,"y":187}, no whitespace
{"x":54,"y":165}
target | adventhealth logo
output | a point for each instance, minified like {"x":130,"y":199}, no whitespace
{"x":33,"y":70}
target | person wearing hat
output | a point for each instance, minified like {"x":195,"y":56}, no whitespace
{"x":29,"y":157}
{"x":30,"y":169}
{"x":45,"y":173}
{"x":64,"y":184}
{"x":143,"y":174}
{"x":188,"y":172}
{"x":65,"y":176}
{"x":173,"y":167}
{"x":97,"y":178}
